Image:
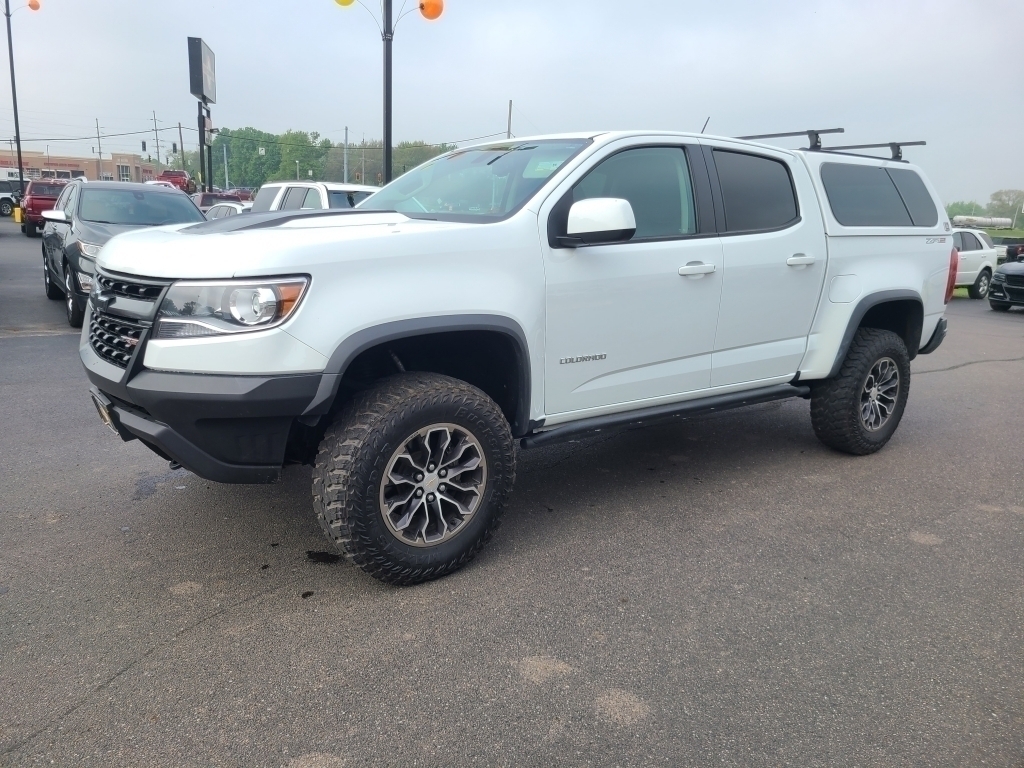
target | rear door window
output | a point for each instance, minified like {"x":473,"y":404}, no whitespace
{"x":970,"y":242}
{"x":264,"y":199}
{"x":293,"y":199}
{"x":312,"y":200}
{"x":757,"y":192}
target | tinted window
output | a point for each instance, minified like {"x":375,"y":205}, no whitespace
{"x":41,"y":189}
{"x":6,"y":186}
{"x":63,"y":199}
{"x":71,"y":202}
{"x":958,"y":241}
{"x":133,"y":207}
{"x":215,"y":212}
{"x":338,"y":199}
{"x":915,"y":197}
{"x":970,"y":242}
{"x":987,"y":239}
{"x":655,"y":181}
{"x":757,"y":191}
{"x":312,"y":200}
{"x":293,"y":198}
{"x":264,"y":199}
{"x":863,"y":196}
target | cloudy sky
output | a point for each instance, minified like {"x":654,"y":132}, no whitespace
{"x":937,"y":70}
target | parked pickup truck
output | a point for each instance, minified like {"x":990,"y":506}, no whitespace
{"x":513,"y":295}
{"x":181,"y":179}
{"x":40,"y":195}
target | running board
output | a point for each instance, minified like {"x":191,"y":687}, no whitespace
{"x":661,"y":413}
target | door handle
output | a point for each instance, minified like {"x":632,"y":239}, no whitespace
{"x":799,"y":260}
{"x":696,"y":269}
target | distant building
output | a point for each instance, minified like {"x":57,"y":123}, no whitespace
{"x":117,"y":166}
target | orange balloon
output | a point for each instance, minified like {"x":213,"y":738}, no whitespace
{"x":431,"y":9}
{"x":33,"y":4}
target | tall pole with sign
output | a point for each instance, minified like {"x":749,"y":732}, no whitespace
{"x":203,"y":85}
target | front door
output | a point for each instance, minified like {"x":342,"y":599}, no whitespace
{"x":775,"y":257}
{"x":623,"y":324}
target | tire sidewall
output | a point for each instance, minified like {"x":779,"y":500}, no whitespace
{"x":6,"y":209}
{"x":894,"y":349}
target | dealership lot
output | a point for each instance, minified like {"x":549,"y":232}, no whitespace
{"x":720,"y":590}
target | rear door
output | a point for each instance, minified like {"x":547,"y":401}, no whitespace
{"x":774,"y":252}
{"x":970,"y":258}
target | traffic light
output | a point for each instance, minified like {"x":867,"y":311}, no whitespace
{"x":143,"y":146}
{"x":174,"y":147}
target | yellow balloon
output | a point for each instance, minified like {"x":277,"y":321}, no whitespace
{"x":344,"y":3}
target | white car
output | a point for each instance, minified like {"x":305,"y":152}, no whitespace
{"x":978,"y":259}
{"x":521,"y":292}
{"x":222,"y":210}
{"x":309,"y":196}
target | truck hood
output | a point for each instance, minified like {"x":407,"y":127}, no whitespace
{"x":248,"y":245}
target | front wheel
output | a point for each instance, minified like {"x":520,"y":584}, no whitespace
{"x":980,"y":288}
{"x":999,"y":306}
{"x":413,"y":478}
{"x":6,"y":208}
{"x":858,"y":410}
{"x":52,"y":291}
{"x":74,"y":309}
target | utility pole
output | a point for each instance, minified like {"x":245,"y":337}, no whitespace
{"x":346,"y":155}
{"x":14,"y":97}
{"x":181,"y":145}
{"x":508,"y":135}
{"x":364,"y":159}
{"x":227,"y":184}
{"x":99,"y":150}
{"x":157,"y":134}
{"x":388,"y":35}
{"x":296,"y":170}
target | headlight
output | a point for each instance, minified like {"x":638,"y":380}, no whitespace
{"x":998,"y":277}
{"x":192,"y":309}
{"x":89,"y":249}
{"x":84,"y":282}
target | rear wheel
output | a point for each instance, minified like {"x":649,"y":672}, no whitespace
{"x":413,"y":479}
{"x":858,"y":410}
{"x":29,"y":229}
{"x":6,"y":208}
{"x":980,"y":288}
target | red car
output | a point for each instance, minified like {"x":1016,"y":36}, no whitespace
{"x":40,"y":195}
{"x":181,"y":179}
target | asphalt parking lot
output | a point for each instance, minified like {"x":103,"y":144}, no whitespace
{"x":721,"y":591}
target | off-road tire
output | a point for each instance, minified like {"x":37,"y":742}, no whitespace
{"x":354,"y":455}
{"x":836,"y":402}
{"x":51,"y":290}
{"x":72,"y":307}
{"x":980,"y":288}
{"x":6,"y":207}
{"x":999,"y":306}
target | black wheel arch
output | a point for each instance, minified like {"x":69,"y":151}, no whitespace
{"x":507,"y":381}
{"x":900,"y":311}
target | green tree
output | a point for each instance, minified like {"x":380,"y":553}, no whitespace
{"x":965,"y":208}
{"x":308,"y":150}
{"x":369,"y":154}
{"x":1006,"y":203}
{"x":246,"y":166}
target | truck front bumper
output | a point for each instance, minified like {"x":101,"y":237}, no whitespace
{"x":230,"y":429}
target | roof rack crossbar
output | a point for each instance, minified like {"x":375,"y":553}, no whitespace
{"x":813,"y":135}
{"x":896,"y":147}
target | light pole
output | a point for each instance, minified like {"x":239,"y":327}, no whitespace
{"x":431,"y":10}
{"x":33,"y":5}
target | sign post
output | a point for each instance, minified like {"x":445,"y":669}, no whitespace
{"x":202,"y":73}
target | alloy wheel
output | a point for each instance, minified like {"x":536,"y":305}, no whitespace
{"x":69,"y":294}
{"x":983,"y":285}
{"x":879,"y":394}
{"x":433,"y":485}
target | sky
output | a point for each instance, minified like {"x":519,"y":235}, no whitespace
{"x":933,"y":70}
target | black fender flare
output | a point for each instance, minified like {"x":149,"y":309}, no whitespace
{"x":866,"y":303}
{"x":360,"y":341}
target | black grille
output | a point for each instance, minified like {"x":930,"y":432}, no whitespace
{"x":129,"y":289}
{"x":114,"y":338}
{"x":1015,"y":280}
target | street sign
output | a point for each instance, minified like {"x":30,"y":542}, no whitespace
{"x":202,"y":73}
{"x":262,"y":151}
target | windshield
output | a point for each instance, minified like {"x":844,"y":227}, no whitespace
{"x":476,"y":184}
{"x":137,"y":208}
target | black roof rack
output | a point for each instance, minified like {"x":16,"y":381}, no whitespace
{"x":813,"y":135}
{"x":896,"y":147}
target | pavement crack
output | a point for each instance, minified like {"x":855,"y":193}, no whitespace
{"x":972,"y":362}
{"x":134,"y":663}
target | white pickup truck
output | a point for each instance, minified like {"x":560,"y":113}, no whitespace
{"x":512,"y":295}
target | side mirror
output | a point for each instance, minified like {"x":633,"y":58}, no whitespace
{"x":599,"y":220}
{"x":57,"y":217}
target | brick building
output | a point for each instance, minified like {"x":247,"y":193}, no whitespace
{"x":117,"y":166}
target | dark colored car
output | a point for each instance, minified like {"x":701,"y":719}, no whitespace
{"x":1007,"y":288}
{"x":206,"y":200}
{"x":41,"y":195}
{"x":85,"y":217}
{"x":245,"y":194}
